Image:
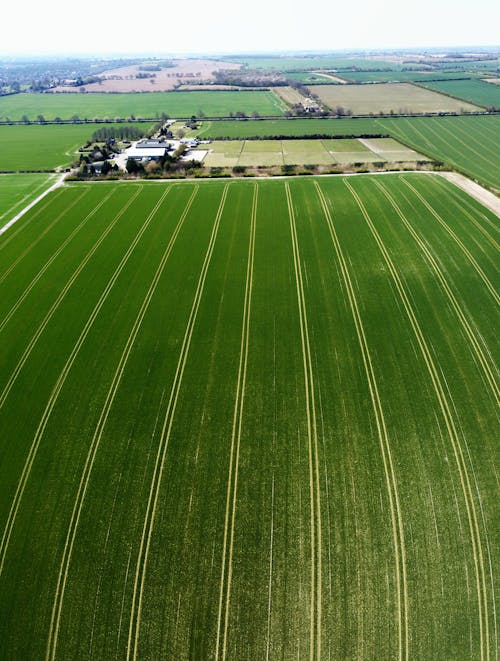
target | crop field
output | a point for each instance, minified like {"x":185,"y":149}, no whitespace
{"x":230,"y":153}
{"x":402,"y":76}
{"x":143,"y":105}
{"x":18,"y":190}
{"x":386,"y":97}
{"x":313,"y":62}
{"x":45,"y":147}
{"x":250,"y":420}
{"x":471,"y":144}
{"x":475,"y":91}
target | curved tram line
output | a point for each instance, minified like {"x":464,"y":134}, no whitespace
{"x":96,"y":439}
{"x":458,"y":452}
{"x":383,"y":437}
{"x":149,"y":518}
{"x":60,"y":383}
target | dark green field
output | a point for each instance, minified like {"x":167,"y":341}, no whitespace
{"x":148,"y":105}
{"x":35,"y":147}
{"x":250,"y":421}
{"x":469,"y":143}
{"x":475,"y":91}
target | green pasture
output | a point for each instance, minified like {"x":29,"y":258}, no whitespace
{"x":476,"y":91}
{"x":44,"y":147}
{"x":18,"y":190}
{"x":148,"y":105}
{"x":249,"y":420}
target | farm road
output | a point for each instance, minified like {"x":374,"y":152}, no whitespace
{"x":34,"y":202}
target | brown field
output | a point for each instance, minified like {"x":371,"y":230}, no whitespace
{"x":400,"y":98}
{"x":124,"y":79}
{"x":289,"y":95}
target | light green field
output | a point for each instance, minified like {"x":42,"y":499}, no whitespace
{"x":18,"y":190}
{"x":250,"y":419}
{"x":312,"y":62}
{"x":148,"y":105}
{"x":475,"y":91}
{"x":34,"y":147}
{"x":306,"y":152}
{"x":470,"y":144}
{"x":399,"y":98}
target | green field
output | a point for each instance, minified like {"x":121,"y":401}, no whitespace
{"x":388,"y":98}
{"x":18,"y":190}
{"x":148,"y":105}
{"x":402,"y":76}
{"x":475,"y":91}
{"x":249,"y":421}
{"x":230,"y":153}
{"x":34,"y":147}
{"x":312,"y":62}
{"x":471,"y":144}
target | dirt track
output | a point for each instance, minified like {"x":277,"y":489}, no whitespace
{"x":486,"y":197}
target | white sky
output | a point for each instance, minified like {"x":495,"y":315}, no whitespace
{"x":59,"y":26}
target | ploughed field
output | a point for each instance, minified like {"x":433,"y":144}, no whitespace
{"x":249,"y":420}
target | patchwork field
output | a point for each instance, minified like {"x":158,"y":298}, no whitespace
{"x":18,"y":190}
{"x":145,"y":105}
{"x":399,"y":98}
{"x":248,"y":421}
{"x":314,"y":62}
{"x":402,"y":76}
{"x":230,"y":153}
{"x":475,"y":91}
{"x":45,"y":147}
{"x":471,"y":144}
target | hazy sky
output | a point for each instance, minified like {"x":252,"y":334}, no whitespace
{"x":48,"y":26}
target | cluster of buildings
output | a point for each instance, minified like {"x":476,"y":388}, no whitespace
{"x":153,"y":149}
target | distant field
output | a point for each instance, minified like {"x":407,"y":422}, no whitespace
{"x":229,"y":153}
{"x":18,"y":190}
{"x":475,"y":91}
{"x":471,"y":144}
{"x":35,"y":147}
{"x":146,"y":105}
{"x":288,"y":128}
{"x":401,"y":76}
{"x":250,"y":420}
{"x":398,"y":98}
{"x":308,"y":78}
{"x":305,"y":63}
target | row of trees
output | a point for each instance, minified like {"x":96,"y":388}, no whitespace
{"x":118,"y":132}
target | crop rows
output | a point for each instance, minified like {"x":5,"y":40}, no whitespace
{"x":249,"y":420}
